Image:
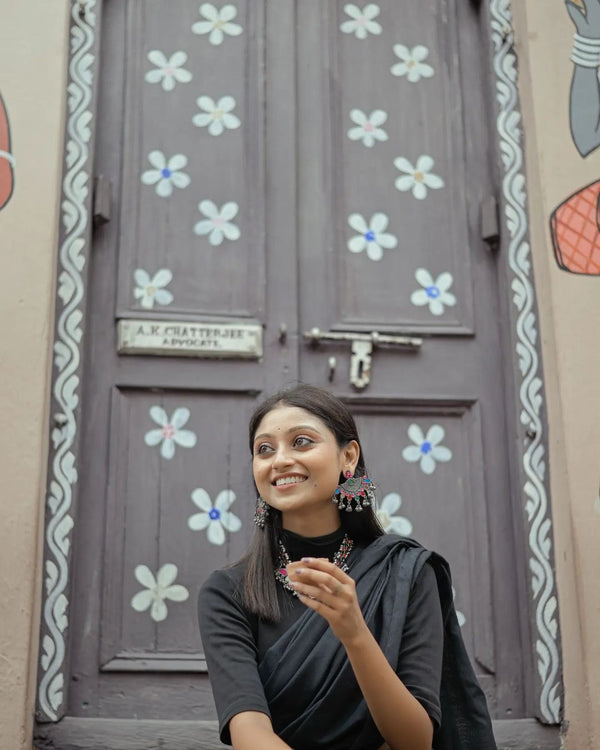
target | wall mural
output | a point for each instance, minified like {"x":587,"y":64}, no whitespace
{"x":7,"y":161}
{"x":575,"y":223}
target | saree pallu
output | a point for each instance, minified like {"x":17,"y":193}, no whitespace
{"x":314,"y":698}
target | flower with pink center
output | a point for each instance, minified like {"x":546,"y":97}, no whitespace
{"x":217,"y":224}
{"x":361,"y":22}
{"x":367,"y":127}
{"x":169,"y":432}
{"x":168,"y":71}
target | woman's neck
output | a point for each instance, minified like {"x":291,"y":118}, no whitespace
{"x":316,"y":524}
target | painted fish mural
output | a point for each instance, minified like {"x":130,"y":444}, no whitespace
{"x":7,"y":162}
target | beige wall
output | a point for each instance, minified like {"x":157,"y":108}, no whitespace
{"x":570,"y":323}
{"x":33,"y":48}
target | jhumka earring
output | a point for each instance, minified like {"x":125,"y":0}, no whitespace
{"x":359,"y":489}
{"x":261,"y":514}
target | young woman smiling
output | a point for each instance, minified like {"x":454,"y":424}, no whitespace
{"x":330,"y":634}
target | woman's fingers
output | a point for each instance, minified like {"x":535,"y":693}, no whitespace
{"x":322,"y":564}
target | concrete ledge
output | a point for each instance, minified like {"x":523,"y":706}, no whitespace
{"x":73,"y":733}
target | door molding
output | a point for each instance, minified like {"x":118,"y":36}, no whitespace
{"x":524,"y":373}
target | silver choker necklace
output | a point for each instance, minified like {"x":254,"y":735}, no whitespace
{"x":339,"y":560}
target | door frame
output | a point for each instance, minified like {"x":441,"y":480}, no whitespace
{"x":524,"y":387}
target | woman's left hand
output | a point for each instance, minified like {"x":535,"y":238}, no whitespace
{"x":322,"y":586}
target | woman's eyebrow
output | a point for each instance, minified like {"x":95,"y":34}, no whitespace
{"x":291,"y":429}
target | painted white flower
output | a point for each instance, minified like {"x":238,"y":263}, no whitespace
{"x":459,"y":615}
{"x":218,"y":22}
{"x":391,"y":523}
{"x":372,"y":235}
{"x":216,"y":115}
{"x":362,"y":22}
{"x":412,"y":65}
{"x":368,"y":130}
{"x":151,"y":290}
{"x":216,"y":518}
{"x":157,"y":590}
{"x":426,"y":449}
{"x":170,"y":432}
{"x":168,"y":72}
{"x":434,"y":293}
{"x":166,"y":173}
{"x":217,"y":224}
{"x":418,"y":178}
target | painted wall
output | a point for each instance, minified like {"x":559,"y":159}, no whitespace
{"x":569,"y":307}
{"x":33,"y":48}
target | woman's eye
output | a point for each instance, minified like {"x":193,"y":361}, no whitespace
{"x":301,"y":442}
{"x":263,"y":448}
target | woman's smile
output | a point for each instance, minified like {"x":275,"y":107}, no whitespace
{"x":297,"y":465}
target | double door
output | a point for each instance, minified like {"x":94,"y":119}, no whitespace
{"x":288,"y":178}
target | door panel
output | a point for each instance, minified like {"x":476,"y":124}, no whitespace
{"x":154,"y":497}
{"x":163,"y":129}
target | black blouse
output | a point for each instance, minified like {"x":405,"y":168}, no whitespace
{"x":235,"y":640}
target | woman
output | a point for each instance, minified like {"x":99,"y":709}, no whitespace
{"x":330,"y":634}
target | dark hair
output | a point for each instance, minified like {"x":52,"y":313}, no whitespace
{"x":259,"y":589}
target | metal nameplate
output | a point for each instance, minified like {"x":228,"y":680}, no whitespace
{"x":188,"y":339}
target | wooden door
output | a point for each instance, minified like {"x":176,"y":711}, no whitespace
{"x":255,"y":188}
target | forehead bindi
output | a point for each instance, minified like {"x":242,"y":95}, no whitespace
{"x":284,"y":419}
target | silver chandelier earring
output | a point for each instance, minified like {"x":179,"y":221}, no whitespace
{"x":261,"y":514}
{"x":359,"y":489}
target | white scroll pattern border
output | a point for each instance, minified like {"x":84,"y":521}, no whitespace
{"x":530,"y":386}
{"x":67,"y":359}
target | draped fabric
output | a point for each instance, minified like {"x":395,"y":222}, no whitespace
{"x":306,"y":674}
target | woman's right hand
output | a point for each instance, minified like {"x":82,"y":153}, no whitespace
{"x":587,"y":22}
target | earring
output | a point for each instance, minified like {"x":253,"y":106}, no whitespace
{"x":359,"y":489}
{"x":261,"y":514}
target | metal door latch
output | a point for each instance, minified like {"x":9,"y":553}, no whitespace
{"x":362,"y":345}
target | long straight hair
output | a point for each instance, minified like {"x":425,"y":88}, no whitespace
{"x":259,"y":592}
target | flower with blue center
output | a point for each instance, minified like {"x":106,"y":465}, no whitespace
{"x":372,"y":236}
{"x":166,"y":173}
{"x":426,"y":449}
{"x":217,"y":518}
{"x":434,"y":293}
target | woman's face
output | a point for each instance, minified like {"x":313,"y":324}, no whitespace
{"x":297,"y":464}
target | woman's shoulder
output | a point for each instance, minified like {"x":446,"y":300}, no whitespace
{"x":224,"y":582}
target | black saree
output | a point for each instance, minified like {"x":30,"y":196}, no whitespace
{"x":306,"y":674}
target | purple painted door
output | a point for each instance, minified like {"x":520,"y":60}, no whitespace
{"x":287,"y":166}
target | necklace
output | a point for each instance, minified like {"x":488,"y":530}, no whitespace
{"x":339,"y":560}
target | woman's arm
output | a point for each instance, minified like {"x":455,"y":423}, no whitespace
{"x":400,"y":718}
{"x":251,"y":730}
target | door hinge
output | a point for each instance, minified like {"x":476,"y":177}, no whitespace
{"x":490,"y":227}
{"x":102,"y":200}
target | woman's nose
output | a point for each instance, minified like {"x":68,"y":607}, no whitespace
{"x":282,"y":456}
